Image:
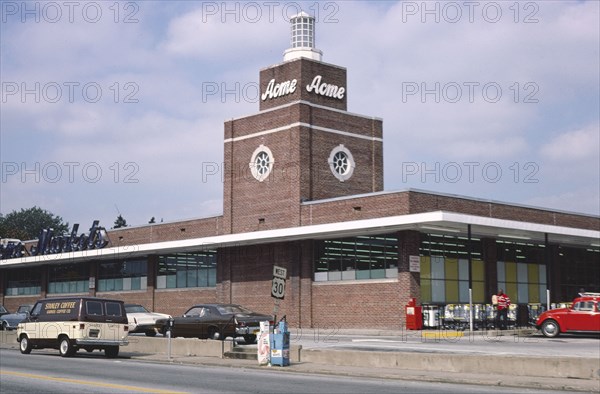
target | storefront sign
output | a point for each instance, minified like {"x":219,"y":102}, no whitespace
{"x":275,"y":90}
{"x":11,"y":248}
{"x":48,"y":243}
{"x":325,"y":89}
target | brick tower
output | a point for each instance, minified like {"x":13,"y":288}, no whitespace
{"x":302,"y":145}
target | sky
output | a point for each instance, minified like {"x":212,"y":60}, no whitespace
{"x":112,"y":108}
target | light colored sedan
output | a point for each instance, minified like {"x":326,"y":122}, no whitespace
{"x":11,"y":321}
{"x":142,"y":320}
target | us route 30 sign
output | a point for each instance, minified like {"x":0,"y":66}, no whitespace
{"x":278,"y":284}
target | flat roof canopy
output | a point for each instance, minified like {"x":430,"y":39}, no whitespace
{"x":433,"y":222}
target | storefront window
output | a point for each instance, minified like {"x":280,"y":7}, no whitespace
{"x":521,"y":271}
{"x":22,"y":282}
{"x":187,"y":270}
{"x":68,"y":278}
{"x":579,"y":269}
{"x":445,"y":269}
{"x":123,"y":275}
{"x":364,"y":257}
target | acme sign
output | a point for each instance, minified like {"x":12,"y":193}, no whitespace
{"x":48,"y":243}
{"x":325,"y":89}
{"x":317,"y":86}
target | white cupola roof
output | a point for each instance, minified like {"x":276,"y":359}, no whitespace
{"x":303,"y":38}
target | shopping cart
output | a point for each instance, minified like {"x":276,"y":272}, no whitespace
{"x":534,"y":311}
{"x":490,"y":316}
{"x":511,"y":320}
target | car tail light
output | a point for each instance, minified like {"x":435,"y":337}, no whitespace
{"x":81,"y":326}
{"x":125,"y":328}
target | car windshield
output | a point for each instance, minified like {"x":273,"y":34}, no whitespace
{"x":2,"y":309}
{"x":24,"y":309}
{"x":135,"y":309}
{"x":230,"y":309}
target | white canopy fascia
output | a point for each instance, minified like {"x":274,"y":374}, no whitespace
{"x":438,"y":221}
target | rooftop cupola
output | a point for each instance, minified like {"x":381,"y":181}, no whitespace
{"x":303,"y":39}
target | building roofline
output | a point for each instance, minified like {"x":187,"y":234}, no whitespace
{"x":441,"y":194}
{"x":437,"y":221}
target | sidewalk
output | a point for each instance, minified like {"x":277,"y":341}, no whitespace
{"x":563,"y":384}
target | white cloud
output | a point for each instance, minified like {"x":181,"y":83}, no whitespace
{"x":574,"y":145}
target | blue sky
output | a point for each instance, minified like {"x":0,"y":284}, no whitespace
{"x":111,"y":107}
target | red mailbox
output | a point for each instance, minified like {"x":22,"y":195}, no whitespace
{"x":414,"y":315}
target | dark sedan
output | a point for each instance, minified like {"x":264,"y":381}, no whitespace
{"x":216,"y":321}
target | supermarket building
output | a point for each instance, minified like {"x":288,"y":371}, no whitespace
{"x":303,"y":189}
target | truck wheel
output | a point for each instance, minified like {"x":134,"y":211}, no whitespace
{"x":550,"y":328}
{"x":111,"y":351}
{"x":25,"y":345}
{"x":65,"y":348}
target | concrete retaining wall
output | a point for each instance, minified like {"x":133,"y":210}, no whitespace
{"x":565,"y":367}
{"x":144,"y":345}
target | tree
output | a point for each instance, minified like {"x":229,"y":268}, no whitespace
{"x":26,"y":224}
{"x":152,"y":221}
{"x":120,"y":222}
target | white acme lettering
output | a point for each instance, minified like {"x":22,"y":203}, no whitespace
{"x":280,"y":89}
{"x":326,"y":89}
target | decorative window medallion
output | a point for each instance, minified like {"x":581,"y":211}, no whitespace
{"x":261,"y":163}
{"x":341,"y":163}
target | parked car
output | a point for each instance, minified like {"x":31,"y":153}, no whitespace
{"x":142,"y":320}
{"x":10,"y":321}
{"x":216,"y":321}
{"x":583,"y":316}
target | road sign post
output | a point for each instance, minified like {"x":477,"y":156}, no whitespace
{"x":278,"y":288}
{"x":278,"y":284}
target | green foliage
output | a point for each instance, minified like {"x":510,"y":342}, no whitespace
{"x":120,"y":222}
{"x":26,"y":224}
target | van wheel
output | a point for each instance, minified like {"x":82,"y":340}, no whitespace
{"x":111,"y":351}
{"x":25,"y":345}
{"x":65,"y":348}
{"x":151,"y":333}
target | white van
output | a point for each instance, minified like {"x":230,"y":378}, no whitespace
{"x":72,"y":323}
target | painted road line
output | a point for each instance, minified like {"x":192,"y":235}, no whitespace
{"x":88,"y":382}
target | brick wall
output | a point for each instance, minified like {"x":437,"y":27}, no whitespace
{"x":185,"y":229}
{"x":357,"y":208}
{"x":357,"y":305}
{"x":424,"y":202}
